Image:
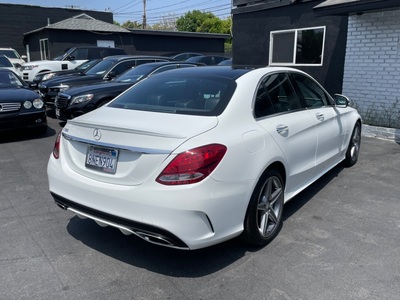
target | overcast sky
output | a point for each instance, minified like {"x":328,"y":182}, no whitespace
{"x":132,"y":10}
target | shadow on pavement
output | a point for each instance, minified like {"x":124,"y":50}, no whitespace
{"x":178,"y":263}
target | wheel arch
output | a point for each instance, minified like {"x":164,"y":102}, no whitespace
{"x":103,"y":101}
{"x":44,"y":71}
{"x":279,"y":166}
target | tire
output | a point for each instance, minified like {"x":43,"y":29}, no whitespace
{"x":353,"y":150}
{"x":263,"y":218}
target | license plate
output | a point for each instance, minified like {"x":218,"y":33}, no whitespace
{"x":102,"y":159}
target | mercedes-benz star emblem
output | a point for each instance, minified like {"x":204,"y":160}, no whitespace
{"x":97,"y":134}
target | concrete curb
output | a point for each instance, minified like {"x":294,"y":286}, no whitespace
{"x":381,"y":132}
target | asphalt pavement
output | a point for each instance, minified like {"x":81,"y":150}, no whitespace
{"x":340,"y":240}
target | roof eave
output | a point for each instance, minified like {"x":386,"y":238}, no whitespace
{"x":355,"y":7}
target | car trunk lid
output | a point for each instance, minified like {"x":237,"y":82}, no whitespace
{"x":126,"y":147}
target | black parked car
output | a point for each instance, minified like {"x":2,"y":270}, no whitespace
{"x":20,"y":106}
{"x":209,"y":60}
{"x":106,"y":70}
{"x":44,"y":76}
{"x":185,"y":55}
{"x":80,"y":100}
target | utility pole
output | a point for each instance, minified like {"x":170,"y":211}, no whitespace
{"x":144,"y":14}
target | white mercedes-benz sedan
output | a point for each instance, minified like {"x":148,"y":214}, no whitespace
{"x":193,"y":157}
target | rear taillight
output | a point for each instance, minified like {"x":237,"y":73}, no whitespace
{"x":56,"y":149}
{"x":193,"y":165}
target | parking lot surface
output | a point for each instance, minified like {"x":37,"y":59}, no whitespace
{"x":340,"y":240}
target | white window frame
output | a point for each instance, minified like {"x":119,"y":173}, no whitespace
{"x":295,"y":31}
{"x":44,"y":55}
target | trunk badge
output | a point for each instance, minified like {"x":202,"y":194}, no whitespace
{"x":97,"y":134}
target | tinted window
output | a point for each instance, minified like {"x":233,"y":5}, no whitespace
{"x":312,"y":95}
{"x":101,"y":67}
{"x":4,"y":62}
{"x":263,"y":105}
{"x":123,"y":66}
{"x":80,"y":54}
{"x":178,"y":94}
{"x":281,"y":93}
{"x":275,"y":95}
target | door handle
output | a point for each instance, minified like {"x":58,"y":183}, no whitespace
{"x":282,"y":130}
{"x":320,"y":116}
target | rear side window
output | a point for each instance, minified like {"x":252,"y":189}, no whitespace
{"x":80,"y":54}
{"x":275,"y":94}
{"x":181,"y":95}
{"x":123,"y":66}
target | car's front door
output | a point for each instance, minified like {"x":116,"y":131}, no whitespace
{"x":327,"y":122}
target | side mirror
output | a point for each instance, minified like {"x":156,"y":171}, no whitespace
{"x":24,"y":57}
{"x":70,"y":58}
{"x":341,"y":100}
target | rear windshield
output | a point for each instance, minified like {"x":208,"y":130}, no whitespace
{"x":178,"y":94}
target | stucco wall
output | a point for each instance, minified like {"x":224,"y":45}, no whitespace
{"x":372,"y":67}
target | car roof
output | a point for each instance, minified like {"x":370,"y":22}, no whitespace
{"x":125,"y":57}
{"x":6,"y":70}
{"x":219,"y":71}
{"x":165,"y":63}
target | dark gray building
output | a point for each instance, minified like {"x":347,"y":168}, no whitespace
{"x":349,"y":46}
{"x":43,"y":33}
{"x":15,"y":20}
{"x":289,"y":33}
{"x":81,"y":30}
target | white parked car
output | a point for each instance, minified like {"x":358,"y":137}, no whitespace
{"x":193,"y":157}
{"x":71,"y":59}
{"x":13,"y":56}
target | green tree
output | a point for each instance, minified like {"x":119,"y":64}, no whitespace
{"x":132,"y":25}
{"x":192,"y":20}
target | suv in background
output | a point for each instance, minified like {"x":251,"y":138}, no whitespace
{"x":13,"y":56}
{"x":69,"y":60}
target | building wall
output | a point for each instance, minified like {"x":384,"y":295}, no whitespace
{"x":372,"y":67}
{"x":165,"y":45}
{"x":15,"y":20}
{"x":60,"y":40}
{"x":251,"y":39}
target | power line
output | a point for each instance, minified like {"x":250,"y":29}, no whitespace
{"x":153,"y":17}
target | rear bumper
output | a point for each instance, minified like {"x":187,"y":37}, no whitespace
{"x":149,"y":233}
{"x":185,"y":217}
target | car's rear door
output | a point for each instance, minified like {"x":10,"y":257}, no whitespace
{"x":278,"y":111}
